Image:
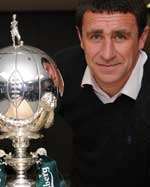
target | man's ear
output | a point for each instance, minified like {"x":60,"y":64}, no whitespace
{"x":80,"y":36}
{"x":143,"y":37}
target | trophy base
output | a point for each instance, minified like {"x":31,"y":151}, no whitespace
{"x":21,"y":183}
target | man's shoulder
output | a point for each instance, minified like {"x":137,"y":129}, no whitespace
{"x":70,"y":61}
{"x":76,"y":49}
{"x":72,"y":49}
{"x":70,"y":54}
{"x":147,"y":64}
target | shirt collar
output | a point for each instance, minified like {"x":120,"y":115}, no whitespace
{"x":131,"y":88}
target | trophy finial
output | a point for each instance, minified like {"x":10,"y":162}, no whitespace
{"x":16,"y":38}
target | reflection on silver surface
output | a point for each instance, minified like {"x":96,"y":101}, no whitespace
{"x":30,"y":85}
{"x":24,"y":81}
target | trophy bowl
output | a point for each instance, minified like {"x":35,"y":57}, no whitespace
{"x":30,"y":85}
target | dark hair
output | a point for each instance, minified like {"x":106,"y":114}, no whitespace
{"x":135,"y":7}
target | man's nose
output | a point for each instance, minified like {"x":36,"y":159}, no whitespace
{"x":108,"y":51}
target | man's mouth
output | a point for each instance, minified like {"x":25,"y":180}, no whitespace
{"x":108,"y":65}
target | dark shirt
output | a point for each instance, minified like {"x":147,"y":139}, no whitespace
{"x":111,"y":141}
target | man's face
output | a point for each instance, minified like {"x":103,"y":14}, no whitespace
{"x":111,"y":44}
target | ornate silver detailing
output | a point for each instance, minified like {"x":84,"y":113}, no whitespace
{"x":30,"y":85}
{"x":15,"y":32}
{"x":15,"y":88}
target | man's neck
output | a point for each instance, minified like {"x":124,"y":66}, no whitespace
{"x":112,"y":88}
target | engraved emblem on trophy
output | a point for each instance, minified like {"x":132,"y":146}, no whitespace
{"x":28,"y":98}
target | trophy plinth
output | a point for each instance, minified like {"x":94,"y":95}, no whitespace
{"x":30,"y":85}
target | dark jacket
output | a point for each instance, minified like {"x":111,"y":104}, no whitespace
{"x":111,"y":141}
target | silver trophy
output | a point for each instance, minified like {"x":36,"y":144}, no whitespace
{"x":30,"y":85}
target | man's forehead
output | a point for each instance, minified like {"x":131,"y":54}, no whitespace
{"x":109,"y":18}
{"x":105,"y":22}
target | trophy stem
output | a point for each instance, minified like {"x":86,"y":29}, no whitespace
{"x":20,"y":161}
{"x":20,"y":144}
{"x":21,"y":181}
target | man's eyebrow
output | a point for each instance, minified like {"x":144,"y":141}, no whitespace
{"x":115,"y":31}
{"x":102,"y":31}
{"x":122,"y":31}
{"x":98,"y":31}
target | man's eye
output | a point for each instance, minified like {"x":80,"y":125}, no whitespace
{"x":119,"y":37}
{"x":96,"y":37}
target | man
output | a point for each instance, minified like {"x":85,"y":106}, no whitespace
{"x":106,"y":97}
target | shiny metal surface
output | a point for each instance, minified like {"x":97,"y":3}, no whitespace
{"x":30,"y":85}
{"x":24,"y":83}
